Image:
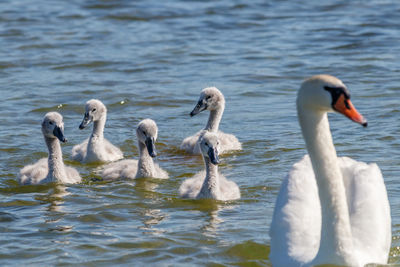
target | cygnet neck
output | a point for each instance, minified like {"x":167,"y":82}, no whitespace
{"x":146,"y":163}
{"x":210,"y":188}
{"x":55,"y":160}
{"x":98,"y":128}
{"x":336,"y":245}
{"x":215,"y":118}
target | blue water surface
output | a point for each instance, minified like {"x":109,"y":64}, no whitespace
{"x":150,"y":59}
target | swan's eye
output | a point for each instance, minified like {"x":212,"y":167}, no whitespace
{"x":206,"y":143}
{"x":144,"y":133}
{"x":208,"y":97}
{"x":93,"y":110}
{"x":50,"y":122}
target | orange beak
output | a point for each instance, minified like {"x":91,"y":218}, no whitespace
{"x":345,"y":107}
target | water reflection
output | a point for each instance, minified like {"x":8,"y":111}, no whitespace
{"x":55,"y":210}
{"x":212,"y":215}
{"x":56,"y":198}
{"x":151,"y":217}
{"x":146,"y":187}
{"x":210,"y":227}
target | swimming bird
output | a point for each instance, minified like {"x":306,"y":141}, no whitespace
{"x":51,"y":169}
{"x":210,"y":183}
{"x":146,"y":133}
{"x":329,"y":210}
{"x":96,"y":148}
{"x":213,"y":100}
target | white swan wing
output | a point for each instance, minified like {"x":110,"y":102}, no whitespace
{"x":369,"y":210}
{"x":191,"y":187}
{"x":73,"y":175}
{"x":125,"y":169}
{"x":228,"y":142}
{"x":112,"y":152}
{"x":296,"y":223}
{"x":79,"y":151}
{"x":189,"y":144}
{"x":104,"y":152}
{"x":34,"y":173}
{"x":229,"y":189}
{"x":160,"y":173}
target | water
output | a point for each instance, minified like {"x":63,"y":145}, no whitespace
{"x":151,"y":59}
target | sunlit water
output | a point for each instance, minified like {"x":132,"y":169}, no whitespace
{"x":151,"y":59}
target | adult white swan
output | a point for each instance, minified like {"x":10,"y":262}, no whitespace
{"x":329,"y":210}
{"x":209,"y":183}
{"x":146,"y":133}
{"x":51,"y":169}
{"x":213,"y":100}
{"x":96,"y":148}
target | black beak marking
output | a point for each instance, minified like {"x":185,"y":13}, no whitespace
{"x":84,"y":122}
{"x":59,"y":134}
{"x":200,"y":106}
{"x":336,"y":92}
{"x":151,"y":148}
{"x":213,"y":155}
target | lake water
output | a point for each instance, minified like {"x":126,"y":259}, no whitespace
{"x":151,"y":59}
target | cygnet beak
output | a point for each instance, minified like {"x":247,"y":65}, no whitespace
{"x":85,"y":122}
{"x":213,"y":155}
{"x":58,"y":132}
{"x":151,"y":147}
{"x":200,"y":106}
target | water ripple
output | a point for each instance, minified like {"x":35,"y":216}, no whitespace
{"x":150,"y":59}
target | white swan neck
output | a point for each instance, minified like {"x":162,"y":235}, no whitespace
{"x":214,"y":119}
{"x":211,"y":182}
{"x":98,"y":128}
{"x":336,"y":245}
{"x":145,"y":164}
{"x":55,"y":160}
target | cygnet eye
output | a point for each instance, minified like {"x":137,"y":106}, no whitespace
{"x":50,"y":122}
{"x":144,"y":133}
{"x":206,"y":143}
{"x":208,"y":97}
{"x":93,"y":110}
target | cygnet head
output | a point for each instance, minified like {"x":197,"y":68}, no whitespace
{"x":53,"y":126}
{"x":94,"y":111}
{"x":210,"y":99}
{"x":325,"y":93}
{"x":146,"y":132}
{"x":209,"y":146}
